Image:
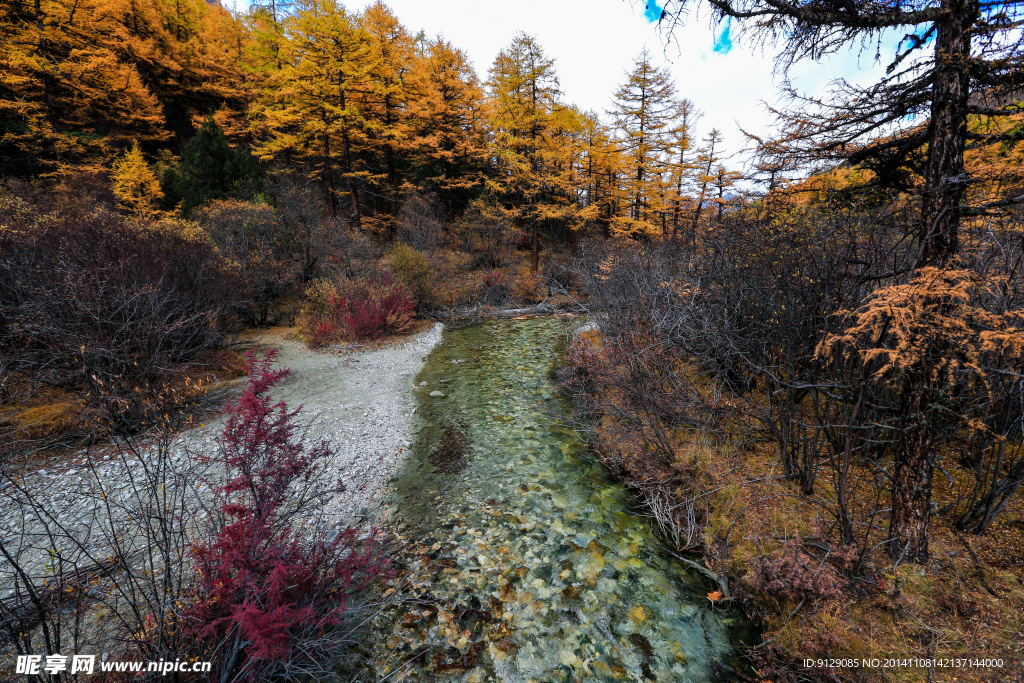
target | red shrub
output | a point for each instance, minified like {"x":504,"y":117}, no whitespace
{"x":792,"y":574}
{"x":355,"y":310}
{"x":269,"y":597}
{"x":521,"y":239}
{"x":374,"y":308}
{"x":324,"y":332}
{"x":495,"y":278}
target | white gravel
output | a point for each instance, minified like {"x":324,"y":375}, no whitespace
{"x":360,"y":401}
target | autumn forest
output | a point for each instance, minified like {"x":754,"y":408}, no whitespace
{"x":802,"y":365}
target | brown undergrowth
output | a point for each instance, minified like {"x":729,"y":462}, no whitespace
{"x":724,"y":493}
{"x":41,"y":423}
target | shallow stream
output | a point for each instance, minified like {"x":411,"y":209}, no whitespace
{"x":529,"y":564}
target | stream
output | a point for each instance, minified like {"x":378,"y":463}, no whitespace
{"x":528,"y":563}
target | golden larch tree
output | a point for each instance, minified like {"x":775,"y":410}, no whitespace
{"x":386,"y":102}
{"x":69,"y":93}
{"x":135,"y":185}
{"x":310,"y":108}
{"x":645,"y":112}
{"x":529,"y":127}
{"x":449,"y":125}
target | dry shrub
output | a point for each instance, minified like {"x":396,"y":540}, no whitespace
{"x":251,"y":236}
{"x":497,"y":287}
{"x":454,"y":284}
{"x":105,"y":309}
{"x":73,"y":192}
{"x":560,"y":275}
{"x":528,"y":287}
{"x":413,"y":270}
{"x":312,"y":239}
{"x":928,"y":352}
{"x":419,"y":224}
{"x":487,"y":234}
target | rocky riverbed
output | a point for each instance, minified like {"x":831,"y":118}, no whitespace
{"x":526,"y":561}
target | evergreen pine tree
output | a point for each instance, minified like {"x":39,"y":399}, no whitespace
{"x":211,"y":169}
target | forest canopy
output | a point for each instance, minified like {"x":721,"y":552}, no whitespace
{"x":353,"y":101}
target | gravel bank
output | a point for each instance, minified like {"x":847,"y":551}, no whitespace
{"x":360,"y":401}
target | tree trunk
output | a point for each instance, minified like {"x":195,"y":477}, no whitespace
{"x":945,"y":179}
{"x":679,"y":197}
{"x":354,"y":222}
{"x":536,"y":250}
{"x":329,"y":176}
{"x":47,"y":80}
{"x":912,"y":490}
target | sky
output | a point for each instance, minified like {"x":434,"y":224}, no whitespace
{"x":594,"y":44}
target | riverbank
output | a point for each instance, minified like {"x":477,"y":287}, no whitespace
{"x":828,"y":611}
{"x":360,"y":400}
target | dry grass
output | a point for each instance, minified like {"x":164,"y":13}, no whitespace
{"x":48,"y":424}
{"x":967,"y":602}
{"x":40,"y":421}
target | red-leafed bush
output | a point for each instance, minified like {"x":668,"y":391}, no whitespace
{"x":376,"y":307}
{"x":497,"y":287}
{"x":274,"y":587}
{"x":356,"y":310}
{"x":325,"y":332}
{"x":790,"y":573}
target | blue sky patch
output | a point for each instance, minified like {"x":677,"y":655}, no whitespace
{"x":723,"y":43}
{"x":928,"y":38}
{"x":652,"y":12}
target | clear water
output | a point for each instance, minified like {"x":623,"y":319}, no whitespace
{"x":529,"y":565}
